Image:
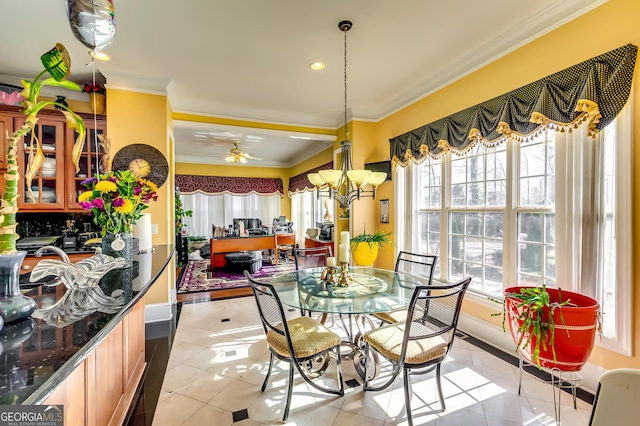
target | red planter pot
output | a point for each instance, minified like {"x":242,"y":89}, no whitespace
{"x":574,"y":337}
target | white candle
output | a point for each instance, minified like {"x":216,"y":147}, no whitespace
{"x":331,"y":261}
{"x":344,"y":253}
{"x":345,"y":238}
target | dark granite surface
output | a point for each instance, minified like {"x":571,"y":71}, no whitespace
{"x":37,"y":355}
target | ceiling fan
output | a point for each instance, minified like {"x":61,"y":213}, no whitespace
{"x":236,"y":155}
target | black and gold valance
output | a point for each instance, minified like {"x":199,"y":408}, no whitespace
{"x":594,"y":91}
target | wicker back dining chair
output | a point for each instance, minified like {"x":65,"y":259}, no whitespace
{"x":299,"y":341}
{"x":419,"y":265}
{"x":311,"y":257}
{"x":421,"y":344}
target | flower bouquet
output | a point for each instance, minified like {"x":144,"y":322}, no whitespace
{"x":94,"y":88}
{"x":97,"y":97}
{"x":116,"y":201}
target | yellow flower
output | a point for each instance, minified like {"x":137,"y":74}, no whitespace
{"x":152,"y":186}
{"x":126,"y":207}
{"x":106,"y":186}
{"x":85,"y":196}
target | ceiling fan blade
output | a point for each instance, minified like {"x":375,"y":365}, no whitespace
{"x":251,"y":157}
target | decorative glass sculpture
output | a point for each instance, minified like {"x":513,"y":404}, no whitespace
{"x":83,"y":296}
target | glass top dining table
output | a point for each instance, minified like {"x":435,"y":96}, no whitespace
{"x":372,"y":290}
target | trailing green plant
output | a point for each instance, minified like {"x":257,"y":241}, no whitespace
{"x":532,"y":303}
{"x":180,"y":213}
{"x":57,"y":64}
{"x":378,"y":239}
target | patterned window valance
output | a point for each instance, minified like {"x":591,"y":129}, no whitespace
{"x":215,"y":185}
{"x":300,"y":183}
{"x":593,"y":91}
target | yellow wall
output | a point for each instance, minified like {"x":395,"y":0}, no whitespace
{"x":605,"y":28}
{"x":142,"y":118}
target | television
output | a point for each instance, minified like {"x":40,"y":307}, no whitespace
{"x":380,"y":166}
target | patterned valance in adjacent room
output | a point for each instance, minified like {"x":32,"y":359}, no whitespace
{"x":300,"y":183}
{"x":593,"y":91}
{"x":215,"y":185}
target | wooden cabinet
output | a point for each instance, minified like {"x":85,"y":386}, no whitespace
{"x":57,"y":184}
{"x":101,"y":389}
{"x":90,"y":160}
{"x":48,"y":184}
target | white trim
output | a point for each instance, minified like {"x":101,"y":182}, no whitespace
{"x":136,"y":90}
{"x":496,"y":337}
{"x":173,"y":296}
{"x":251,"y":120}
{"x":157,"y":312}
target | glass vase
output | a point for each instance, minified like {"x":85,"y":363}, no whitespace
{"x":13,"y":305}
{"x":118,"y":246}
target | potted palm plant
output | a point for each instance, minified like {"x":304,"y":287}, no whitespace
{"x":13,"y":305}
{"x":551,"y":327}
{"x":364,"y":247}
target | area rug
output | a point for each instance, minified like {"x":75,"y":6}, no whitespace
{"x":195,"y":277}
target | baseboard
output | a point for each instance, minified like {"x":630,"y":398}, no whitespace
{"x":157,"y":312}
{"x":173,"y":296}
{"x":496,"y":337}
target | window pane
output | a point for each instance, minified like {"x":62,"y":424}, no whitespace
{"x":475,"y":171}
{"x":458,"y":170}
{"x":496,"y":193}
{"x":537,"y":171}
{"x":493,"y":225}
{"x":476,"y":194}
{"x":434,"y":222}
{"x":530,"y":227}
{"x":532,"y":159}
{"x":458,"y":195}
{"x":474,"y":224}
{"x":530,"y":258}
{"x":497,"y":166}
{"x":473,"y":249}
{"x":532,"y":191}
{"x":476,"y":250}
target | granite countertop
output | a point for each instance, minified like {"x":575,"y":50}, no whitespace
{"x":37,"y":354}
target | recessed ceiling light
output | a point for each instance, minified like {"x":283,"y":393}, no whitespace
{"x":101,"y":56}
{"x":316,"y":66}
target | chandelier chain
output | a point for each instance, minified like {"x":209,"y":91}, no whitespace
{"x":346,"y":129}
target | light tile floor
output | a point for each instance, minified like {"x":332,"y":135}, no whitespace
{"x":219,"y":360}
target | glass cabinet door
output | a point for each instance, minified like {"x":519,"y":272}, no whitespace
{"x":47,"y":186}
{"x":90,"y":161}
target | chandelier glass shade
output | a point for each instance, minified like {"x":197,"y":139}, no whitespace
{"x":345,"y":184}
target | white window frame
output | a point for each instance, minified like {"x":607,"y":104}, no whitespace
{"x":407,"y":191}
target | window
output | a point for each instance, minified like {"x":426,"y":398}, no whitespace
{"x":511,"y":214}
{"x":220,"y":210}
{"x":307,"y":210}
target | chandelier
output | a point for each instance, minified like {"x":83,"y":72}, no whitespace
{"x":345,"y":185}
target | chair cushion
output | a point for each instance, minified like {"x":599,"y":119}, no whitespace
{"x":388,"y":341}
{"x":392,"y":317}
{"x":308,"y":336}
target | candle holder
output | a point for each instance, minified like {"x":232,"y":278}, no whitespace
{"x":329,"y":275}
{"x":345,"y":277}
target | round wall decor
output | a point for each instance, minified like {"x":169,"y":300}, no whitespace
{"x":142,"y":160}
